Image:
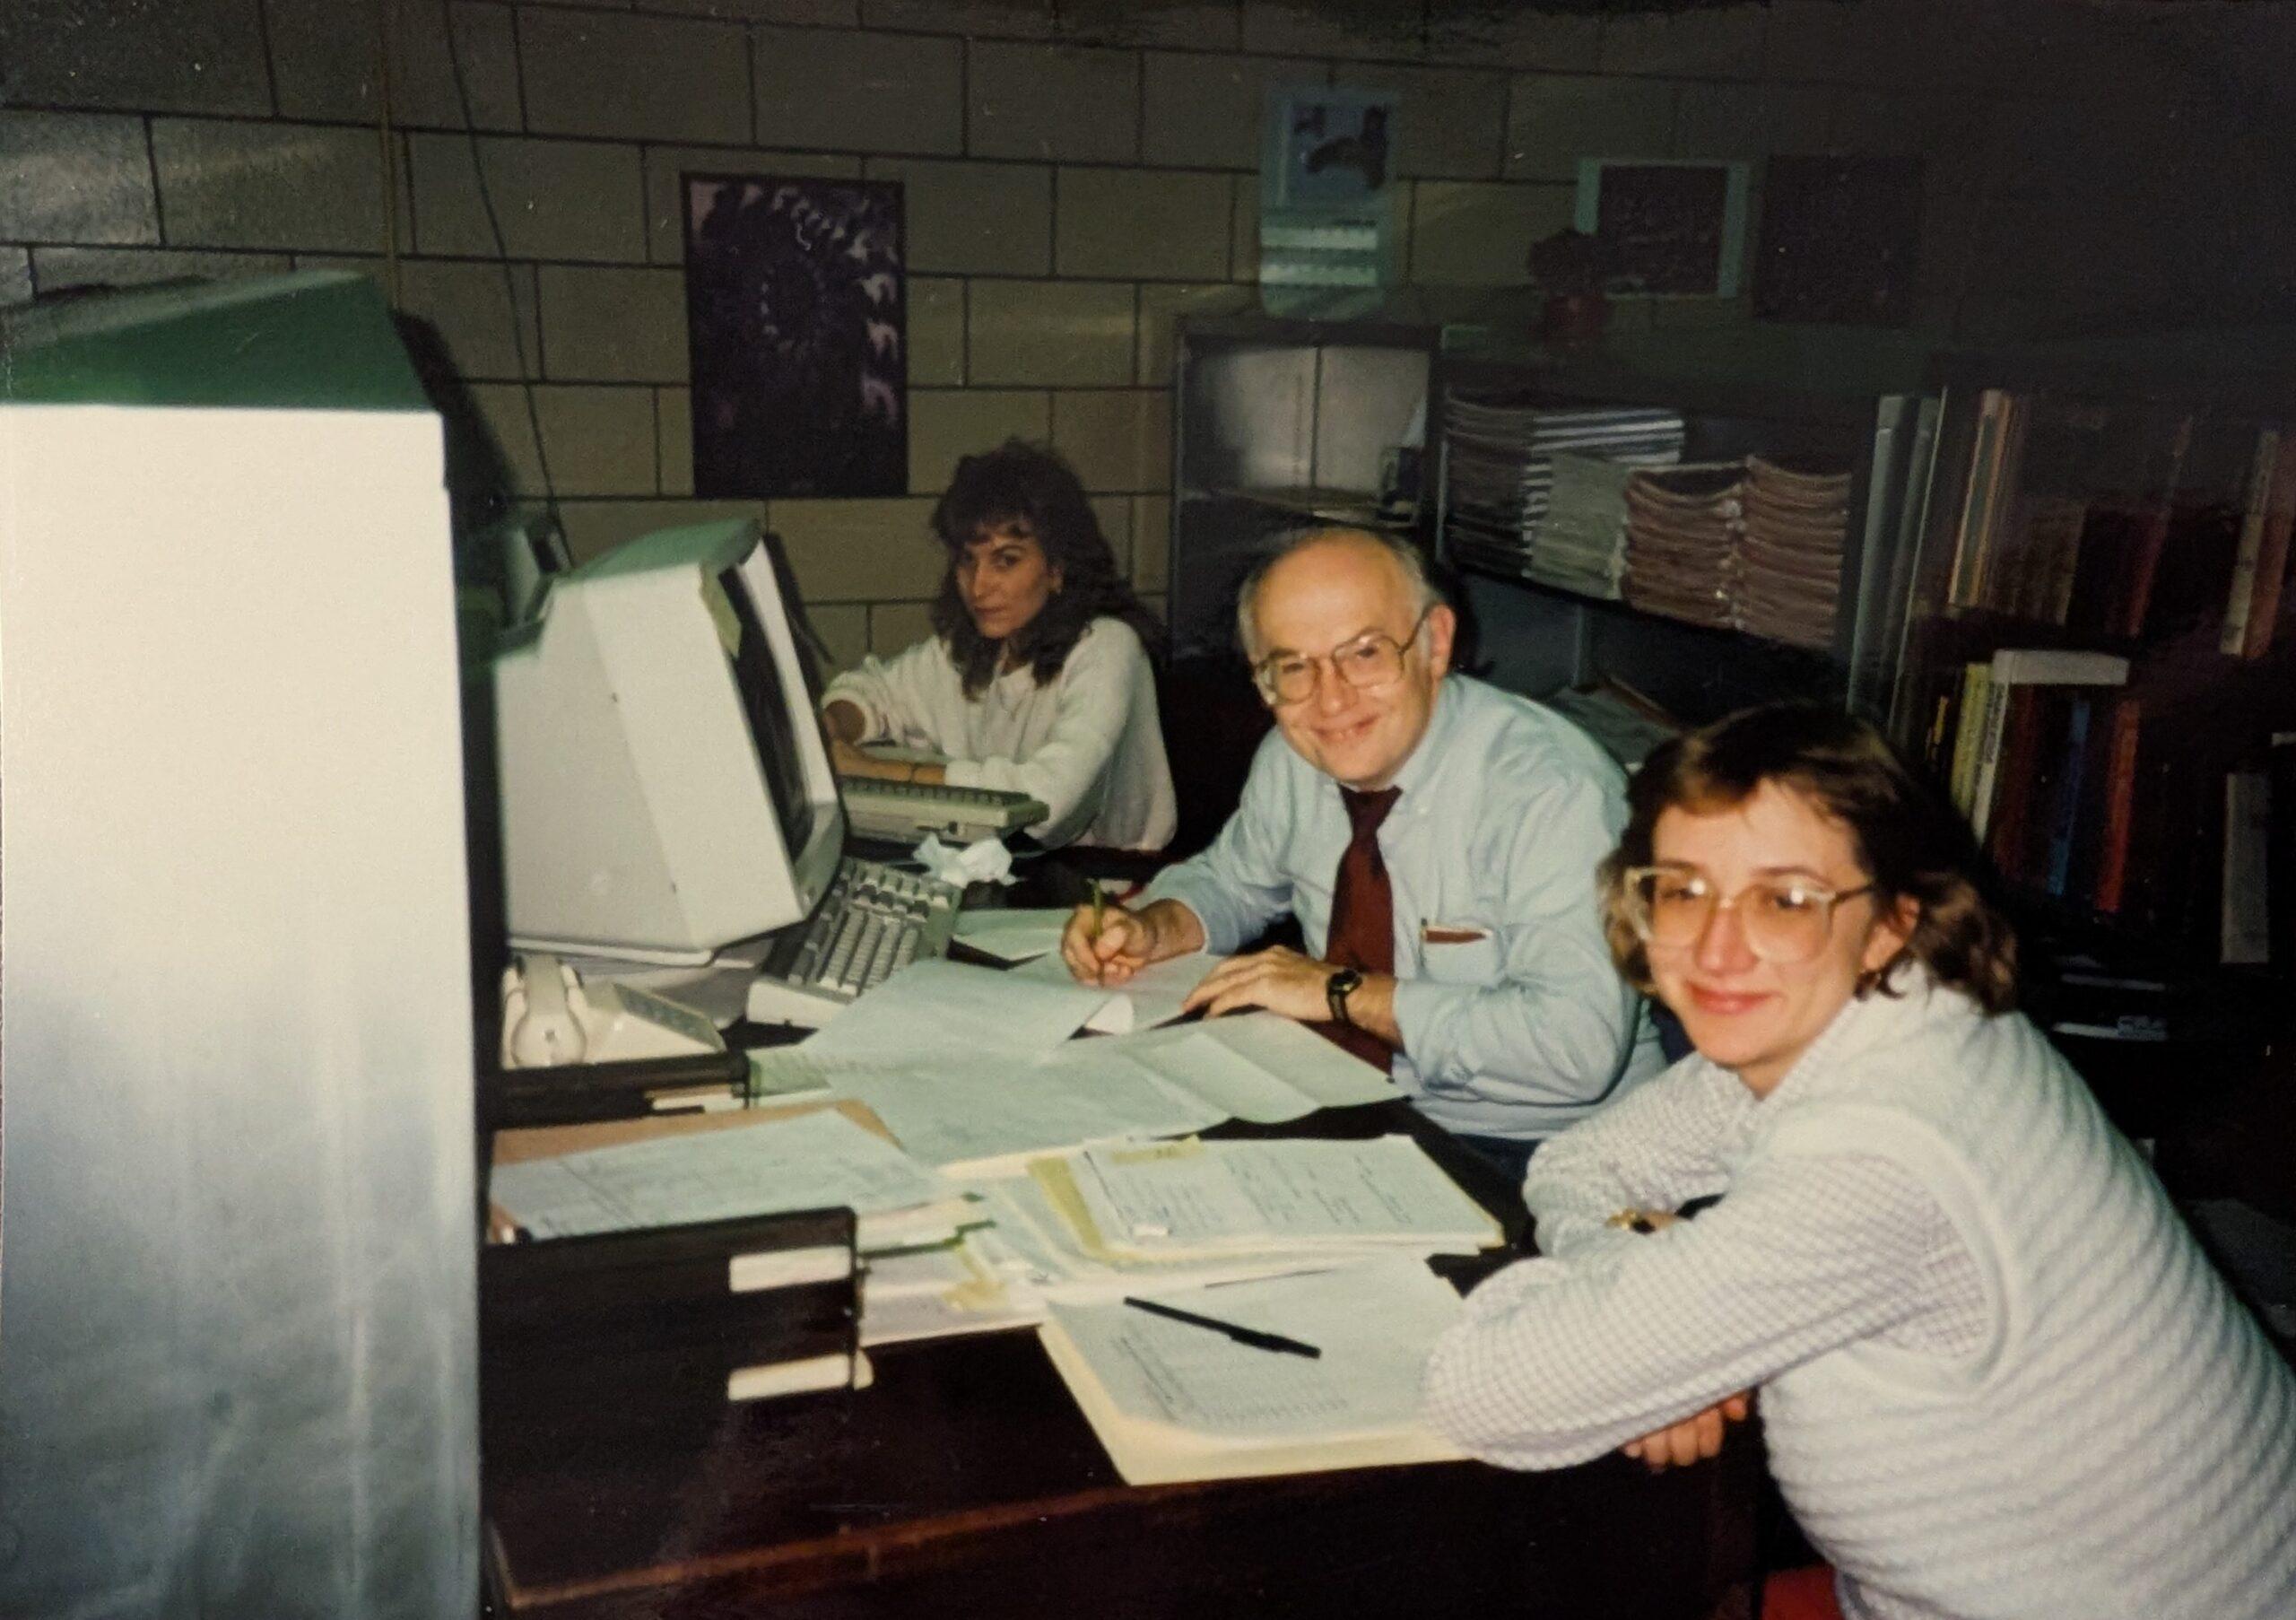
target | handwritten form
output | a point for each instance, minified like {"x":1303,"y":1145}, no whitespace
{"x":1179,"y":1196}
{"x":808,"y":1161}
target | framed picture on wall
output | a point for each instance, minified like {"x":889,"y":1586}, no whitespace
{"x":1673,"y":228}
{"x":797,"y":326}
{"x":1328,"y":200}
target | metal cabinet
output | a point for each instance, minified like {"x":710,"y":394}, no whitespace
{"x":1281,"y":423}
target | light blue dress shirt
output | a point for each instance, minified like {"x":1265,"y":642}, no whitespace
{"x":1514,"y":1022}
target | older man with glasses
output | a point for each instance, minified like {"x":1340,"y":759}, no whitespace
{"x":1437,"y":840}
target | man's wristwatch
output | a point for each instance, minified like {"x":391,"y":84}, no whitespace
{"x":1337,"y":989}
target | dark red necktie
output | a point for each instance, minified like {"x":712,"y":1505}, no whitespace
{"x":1362,"y":913}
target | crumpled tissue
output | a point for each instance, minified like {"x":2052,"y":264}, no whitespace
{"x":986,"y":862}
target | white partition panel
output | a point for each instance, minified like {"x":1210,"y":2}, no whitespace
{"x":237,"y":1198}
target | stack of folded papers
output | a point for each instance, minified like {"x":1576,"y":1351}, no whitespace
{"x":1682,"y":533}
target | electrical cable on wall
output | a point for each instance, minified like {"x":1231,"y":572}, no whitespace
{"x":510,"y":280}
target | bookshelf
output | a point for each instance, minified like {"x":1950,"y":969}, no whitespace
{"x":1837,"y":414}
{"x":2099,"y":656}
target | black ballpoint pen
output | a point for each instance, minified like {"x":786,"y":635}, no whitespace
{"x":1241,"y":1335}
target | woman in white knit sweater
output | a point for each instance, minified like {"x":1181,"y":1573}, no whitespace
{"x":1998,"y":1380}
{"x":1036,"y":678}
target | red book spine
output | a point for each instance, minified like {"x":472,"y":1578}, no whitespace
{"x":2120,"y":805}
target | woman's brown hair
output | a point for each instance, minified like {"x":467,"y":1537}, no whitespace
{"x":1911,"y":844}
{"x":1029,"y":488}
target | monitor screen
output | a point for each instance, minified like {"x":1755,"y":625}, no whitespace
{"x":769,"y":712}
{"x":665,"y":790}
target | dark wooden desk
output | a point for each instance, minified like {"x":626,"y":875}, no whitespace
{"x":966,"y":1482}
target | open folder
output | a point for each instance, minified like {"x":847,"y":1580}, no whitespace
{"x":1174,"y":1401}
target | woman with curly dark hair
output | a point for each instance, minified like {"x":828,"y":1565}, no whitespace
{"x":1037,"y":678}
{"x":1998,"y":1380}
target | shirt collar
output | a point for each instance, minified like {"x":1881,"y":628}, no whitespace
{"x":1427,"y":757}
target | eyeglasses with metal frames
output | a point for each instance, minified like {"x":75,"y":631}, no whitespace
{"x":1787,"y":921}
{"x":1371,"y":659}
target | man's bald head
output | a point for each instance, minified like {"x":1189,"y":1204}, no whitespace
{"x":1307,"y":553}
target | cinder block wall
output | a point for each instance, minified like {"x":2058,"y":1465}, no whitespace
{"x":1077,"y":172}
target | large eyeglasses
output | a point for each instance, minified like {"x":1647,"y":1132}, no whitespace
{"x":1787,"y":921}
{"x":1373,"y":659}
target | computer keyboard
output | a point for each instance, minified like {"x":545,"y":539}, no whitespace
{"x":907,"y":811}
{"x":873,"y":919}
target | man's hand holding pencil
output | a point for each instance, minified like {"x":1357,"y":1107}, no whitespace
{"x":1106,"y":943}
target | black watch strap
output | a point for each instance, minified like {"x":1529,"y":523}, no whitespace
{"x":1337,"y":989}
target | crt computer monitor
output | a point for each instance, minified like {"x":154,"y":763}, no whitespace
{"x":665,"y":792}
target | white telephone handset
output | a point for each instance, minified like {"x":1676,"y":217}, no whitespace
{"x":551,"y":1018}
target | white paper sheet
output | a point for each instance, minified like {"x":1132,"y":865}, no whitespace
{"x":1259,"y":1067}
{"x":1018,"y":934}
{"x":938,"y":1005}
{"x":1154,"y":995}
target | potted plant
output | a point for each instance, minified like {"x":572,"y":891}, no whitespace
{"x":1574,"y":269}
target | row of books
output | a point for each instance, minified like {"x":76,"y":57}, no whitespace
{"x":2080,"y":790}
{"x":2114,"y":525}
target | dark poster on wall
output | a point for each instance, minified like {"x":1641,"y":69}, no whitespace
{"x":1672,"y":228}
{"x":798,"y":331}
{"x":1839,"y":237}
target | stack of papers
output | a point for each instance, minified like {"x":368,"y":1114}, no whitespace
{"x":1098,"y":1224}
{"x":1173,"y":1401}
{"x":1789,"y":553}
{"x":1500,"y":476}
{"x":967,"y":1286}
{"x":1581,"y":542}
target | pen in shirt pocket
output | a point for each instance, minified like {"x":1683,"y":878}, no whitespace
{"x":1442,"y":933}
